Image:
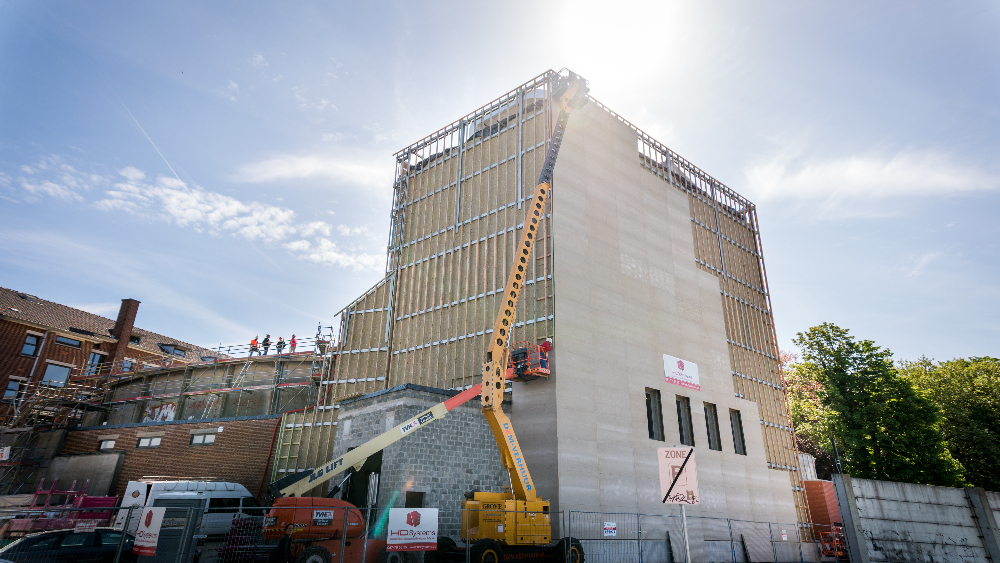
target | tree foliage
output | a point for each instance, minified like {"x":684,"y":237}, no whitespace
{"x":809,"y":417}
{"x":968,"y":392}
{"x":884,"y":428}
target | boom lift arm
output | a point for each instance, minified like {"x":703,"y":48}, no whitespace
{"x":570,"y":94}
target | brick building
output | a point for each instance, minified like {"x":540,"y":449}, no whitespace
{"x":45,"y":344}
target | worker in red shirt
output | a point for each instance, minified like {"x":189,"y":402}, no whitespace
{"x":543,"y":353}
{"x":292,"y":344}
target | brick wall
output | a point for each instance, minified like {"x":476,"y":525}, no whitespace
{"x":239,"y":453}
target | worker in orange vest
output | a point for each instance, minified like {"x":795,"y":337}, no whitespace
{"x":543,"y":353}
{"x":253,"y":347}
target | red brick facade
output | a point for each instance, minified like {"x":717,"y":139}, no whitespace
{"x":239,"y":453}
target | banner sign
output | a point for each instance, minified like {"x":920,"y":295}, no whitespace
{"x":322,"y":517}
{"x":610,"y":529}
{"x":412,"y":529}
{"x":680,"y":372}
{"x":85,"y":526}
{"x":149,"y":530}
{"x":678,"y":476}
{"x":135,"y":496}
{"x":5,"y":453}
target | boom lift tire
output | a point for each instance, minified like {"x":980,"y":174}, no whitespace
{"x":314,"y":554}
{"x":487,"y":551}
{"x":570,"y":550}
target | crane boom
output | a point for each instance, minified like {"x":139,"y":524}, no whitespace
{"x":570,"y":94}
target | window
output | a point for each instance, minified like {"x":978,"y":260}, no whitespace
{"x":46,"y":543}
{"x":56,"y":375}
{"x":202,"y":439}
{"x":111,"y":538}
{"x":106,"y":445}
{"x":712,"y":424}
{"x":126,"y":365}
{"x":94,"y":363}
{"x":171,"y":349}
{"x":654,"y":414}
{"x":76,"y":540}
{"x":30,"y":345}
{"x":230,"y":505}
{"x":67,"y":342}
{"x":13,"y":388}
{"x":152,"y":442}
{"x":684,"y":420}
{"x":134,"y":340}
{"x":737,"y":422}
{"x":414,"y":499}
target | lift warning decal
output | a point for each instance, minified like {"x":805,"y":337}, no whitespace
{"x":413,"y":424}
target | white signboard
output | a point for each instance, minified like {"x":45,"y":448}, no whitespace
{"x":610,"y":529}
{"x":678,"y":476}
{"x":681,"y":372}
{"x":5,"y":454}
{"x":322,"y":517}
{"x":135,"y":496}
{"x":85,"y":526}
{"x":412,"y":529}
{"x":148,"y":532}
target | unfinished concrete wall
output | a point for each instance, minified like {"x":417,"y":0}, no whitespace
{"x":100,"y":469}
{"x":628,"y":290}
{"x":906,"y":522}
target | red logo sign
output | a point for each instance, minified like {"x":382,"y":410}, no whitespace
{"x":413,"y":519}
{"x":149,"y":518}
{"x":680,"y":365}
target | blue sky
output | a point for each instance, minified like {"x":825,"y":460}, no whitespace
{"x":230,"y":164}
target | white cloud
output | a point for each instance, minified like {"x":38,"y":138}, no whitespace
{"x":922,"y":262}
{"x":51,"y":189}
{"x":376,"y":175}
{"x":315,"y":227}
{"x":132,"y":173}
{"x":298,"y":246}
{"x":258,"y":61}
{"x":841,"y":183}
{"x":327,"y":252}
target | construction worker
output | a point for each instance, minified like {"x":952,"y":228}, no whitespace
{"x":253,"y":347}
{"x":543,"y":353}
{"x":282,"y":553}
{"x":292,"y":344}
{"x":280,"y":344}
{"x":266,"y":343}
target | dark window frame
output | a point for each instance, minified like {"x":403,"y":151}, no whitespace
{"x":739,"y":439}
{"x":49,"y":382}
{"x":685,"y":426}
{"x":204,"y":441}
{"x":100,"y":445}
{"x":34,"y":346}
{"x":654,"y":415}
{"x":149,"y":445}
{"x":712,"y":427}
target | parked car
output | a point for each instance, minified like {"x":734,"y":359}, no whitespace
{"x":69,"y":546}
{"x":225,"y":500}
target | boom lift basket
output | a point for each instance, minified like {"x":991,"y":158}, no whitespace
{"x":526,"y":363}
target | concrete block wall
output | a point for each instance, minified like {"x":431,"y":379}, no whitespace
{"x":443,"y":460}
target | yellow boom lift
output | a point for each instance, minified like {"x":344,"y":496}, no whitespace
{"x":515,"y":522}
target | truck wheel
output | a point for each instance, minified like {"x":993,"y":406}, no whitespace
{"x":570,"y":550}
{"x":385,"y":556}
{"x":487,"y":551}
{"x":314,"y":554}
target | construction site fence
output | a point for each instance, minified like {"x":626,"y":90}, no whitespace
{"x":233,"y":535}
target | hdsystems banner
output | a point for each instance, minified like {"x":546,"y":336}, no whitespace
{"x":149,"y":531}
{"x":412,"y":529}
{"x":681,"y":372}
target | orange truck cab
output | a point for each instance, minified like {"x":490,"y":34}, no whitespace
{"x":319,"y":530}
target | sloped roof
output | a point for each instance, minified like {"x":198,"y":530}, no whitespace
{"x":19,"y":306}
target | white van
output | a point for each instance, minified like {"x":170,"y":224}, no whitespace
{"x":226,"y":501}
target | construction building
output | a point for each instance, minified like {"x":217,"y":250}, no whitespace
{"x":642,"y":261}
{"x":642,"y":255}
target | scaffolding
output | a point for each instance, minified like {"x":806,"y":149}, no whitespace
{"x":229,"y":384}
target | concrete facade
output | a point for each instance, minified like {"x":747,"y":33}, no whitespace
{"x":627,"y":291}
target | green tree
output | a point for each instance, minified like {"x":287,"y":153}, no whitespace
{"x":809,"y":417}
{"x":968,"y":392}
{"x":884,"y":428}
